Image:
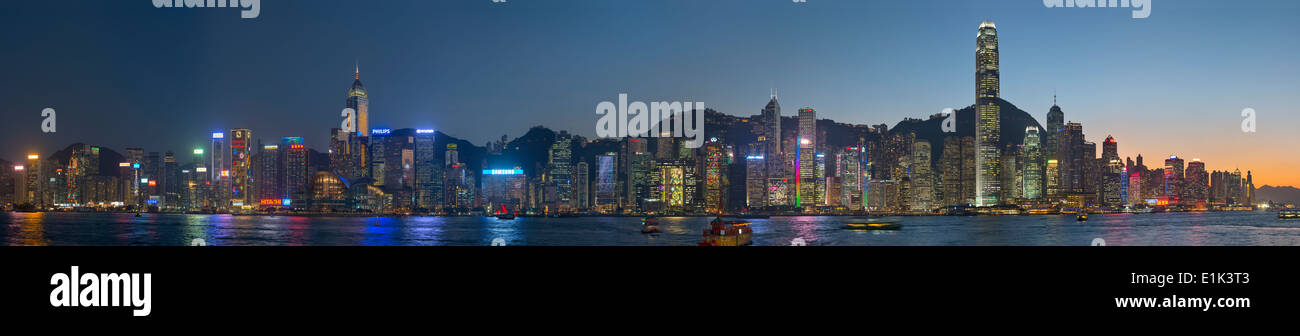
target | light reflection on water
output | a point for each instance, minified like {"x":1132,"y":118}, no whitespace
{"x":62,"y":229}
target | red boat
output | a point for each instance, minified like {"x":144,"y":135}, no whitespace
{"x":728,"y":233}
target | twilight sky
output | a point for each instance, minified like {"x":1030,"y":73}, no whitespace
{"x":125,"y":74}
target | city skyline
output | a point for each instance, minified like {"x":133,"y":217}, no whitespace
{"x":1211,"y":136}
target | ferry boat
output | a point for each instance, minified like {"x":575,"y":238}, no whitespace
{"x":650,"y":225}
{"x":873,"y":223}
{"x":1288,"y":214}
{"x":1082,"y":217}
{"x":728,"y":233}
{"x":1139,"y":210}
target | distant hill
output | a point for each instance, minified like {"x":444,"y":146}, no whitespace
{"x":108,"y":158}
{"x":1014,"y":122}
{"x":1277,"y":194}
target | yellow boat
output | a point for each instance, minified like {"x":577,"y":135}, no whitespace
{"x":1288,"y":214}
{"x":875,"y":223}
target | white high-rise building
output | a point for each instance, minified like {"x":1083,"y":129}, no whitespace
{"x":987,"y":116}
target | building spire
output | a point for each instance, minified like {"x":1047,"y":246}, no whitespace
{"x":358,"y":73}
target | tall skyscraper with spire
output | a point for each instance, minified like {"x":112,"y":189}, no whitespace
{"x":772,"y":138}
{"x":359,"y":101}
{"x":987,"y":116}
{"x":1055,"y":122}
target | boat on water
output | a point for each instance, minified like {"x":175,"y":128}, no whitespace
{"x":873,"y":223}
{"x":506,"y":217}
{"x":650,"y":225}
{"x":1288,"y":214}
{"x":728,"y":233}
{"x":1082,"y":217}
{"x":1138,"y":210}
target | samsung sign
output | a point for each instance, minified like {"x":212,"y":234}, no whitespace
{"x":503,"y":172}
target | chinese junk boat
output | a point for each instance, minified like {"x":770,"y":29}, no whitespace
{"x":728,"y":233}
{"x":505,"y":214}
{"x":649,"y":225}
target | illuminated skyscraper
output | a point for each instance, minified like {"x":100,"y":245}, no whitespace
{"x":271,"y":184}
{"x":806,"y":151}
{"x":200,"y":192}
{"x":19,"y":184}
{"x":1055,"y":123}
{"x":987,"y":114}
{"x":755,"y":181}
{"x":717,"y":157}
{"x":503,"y":189}
{"x":348,"y":153}
{"x":134,"y":156}
{"x":958,"y":165}
{"x":639,"y":186}
{"x":1113,"y":177}
{"x":1233,"y":182}
{"x":636,"y":171}
{"x":1109,"y":149}
{"x":819,"y":197}
{"x":771,"y":138}
{"x":1052,"y":176}
{"x":393,"y":164}
{"x":1248,"y":189}
{"x":851,"y":177}
{"x":1031,"y":164}
{"x":581,"y":186}
{"x":1174,"y":174}
{"x":1134,"y":196}
{"x":922,"y":178}
{"x":1197,"y":184}
{"x":808,"y":127}
{"x":1071,"y":147}
{"x":561,"y":169}
{"x":606,"y":182}
{"x":170,"y":181}
{"x":241,"y":157}
{"x":295,"y":173}
{"x":219,"y":169}
{"x":359,"y":101}
{"x":428,"y":172}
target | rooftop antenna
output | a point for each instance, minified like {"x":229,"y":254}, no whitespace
{"x":358,"y":73}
